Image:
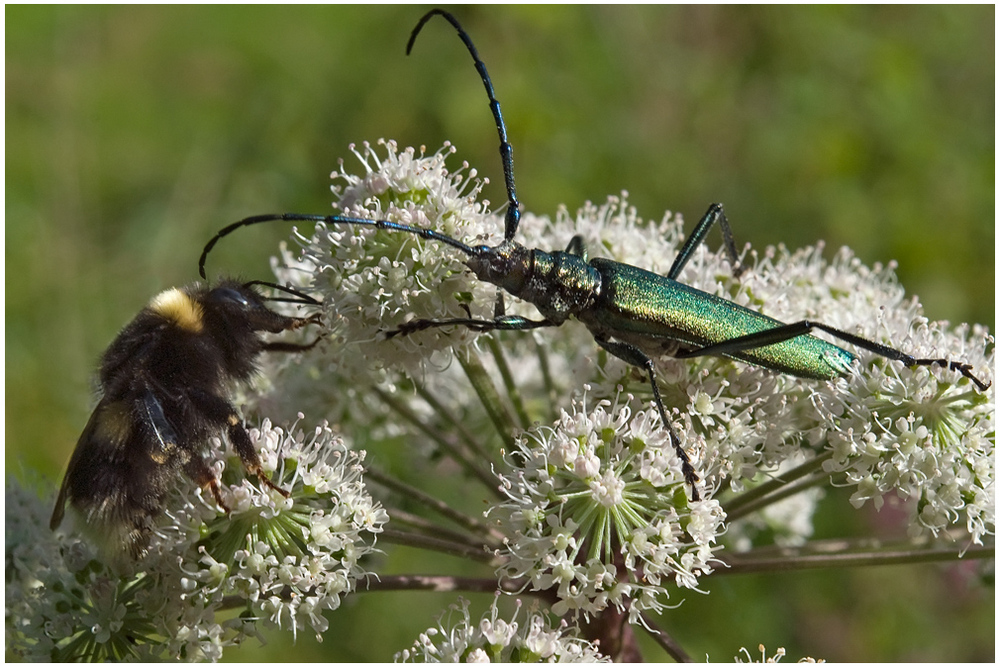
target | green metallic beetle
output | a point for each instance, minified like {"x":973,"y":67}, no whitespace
{"x":634,"y":314}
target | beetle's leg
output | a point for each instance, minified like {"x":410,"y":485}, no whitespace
{"x":623,"y":351}
{"x":577,"y":247}
{"x":499,"y":307}
{"x":503,"y":323}
{"x":714,"y":215}
{"x":785,"y":332}
{"x":632,"y":355}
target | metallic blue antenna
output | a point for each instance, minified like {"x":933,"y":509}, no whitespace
{"x":513,"y":215}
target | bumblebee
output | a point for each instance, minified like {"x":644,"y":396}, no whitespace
{"x":164,"y":386}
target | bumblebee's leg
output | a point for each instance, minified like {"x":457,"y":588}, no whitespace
{"x":287,"y":323}
{"x":219,"y":411}
{"x":287,"y":347}
{"x":168,"y":447}
{"x":164,"y":433}
{"x":199,"y":471}
{"x":240,"y":439}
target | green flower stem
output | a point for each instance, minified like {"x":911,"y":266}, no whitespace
{"x":428,"y":501}
{"x":422,"y":524}
{"x":838,"y":545}
{"x":479,"y":451}
{"x":664,"y":640}
{"x":796,"y":559}
{"x":770,"y":491}
{"x":550,"y":387}
{"x":477,"y":553}
{"x":463,"y":458}
{"x":488,"y":395}
{"x":508,"y":378}
{"x":782,"y":493}
{"x":442,"y":583}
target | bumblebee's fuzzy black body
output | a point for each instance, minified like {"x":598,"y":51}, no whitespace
{"x":164,"y":383}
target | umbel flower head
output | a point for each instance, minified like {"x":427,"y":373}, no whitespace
{"x":924,"y":434}
{"x":597,"y":511}
{"x":493,"y":639}
{"x":368,"y":277}
{"x":279,"y":561}
{"x":593,"y":513}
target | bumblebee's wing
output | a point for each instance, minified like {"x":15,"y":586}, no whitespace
{"x":80,"y":451}
{"x":118,"y":432}
{"x":164,"y":442}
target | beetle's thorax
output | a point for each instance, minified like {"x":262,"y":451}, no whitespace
{"x":558,"y":284}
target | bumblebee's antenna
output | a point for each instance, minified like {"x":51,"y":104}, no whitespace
{"x":300,"y":297}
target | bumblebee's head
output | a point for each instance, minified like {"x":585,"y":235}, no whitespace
{"x":232,"y":305}
{"x":241,"y":306}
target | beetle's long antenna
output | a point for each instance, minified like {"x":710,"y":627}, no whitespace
{"x":513,"y":215}
{"x":421,"y":232}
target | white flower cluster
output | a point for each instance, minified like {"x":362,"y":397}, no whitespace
{"x":595,"y":510}
{"x":494,"y":640}
{"x":369,"y":278}
{"x":923,"y":433}
{"x":764,"y":658}
{"x":743,"y":424}
{"x":598,"y":513}
{"x":280,"y":561}
{"x":922,"y":437}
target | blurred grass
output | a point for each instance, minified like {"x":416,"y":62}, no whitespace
{"x":133,"y":133}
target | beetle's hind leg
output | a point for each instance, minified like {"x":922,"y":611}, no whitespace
{"x":503,"y":323}
{"x":632,"y":355}
{"x":802,"y":327}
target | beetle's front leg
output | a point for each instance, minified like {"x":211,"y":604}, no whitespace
{"x":503,"y":323}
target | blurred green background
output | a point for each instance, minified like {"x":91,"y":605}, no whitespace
{"x":133,"y":133}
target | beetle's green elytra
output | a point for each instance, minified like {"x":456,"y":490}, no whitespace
{"x":649,"y":310}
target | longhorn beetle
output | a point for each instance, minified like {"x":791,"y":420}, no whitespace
{"x":633,"y":314}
